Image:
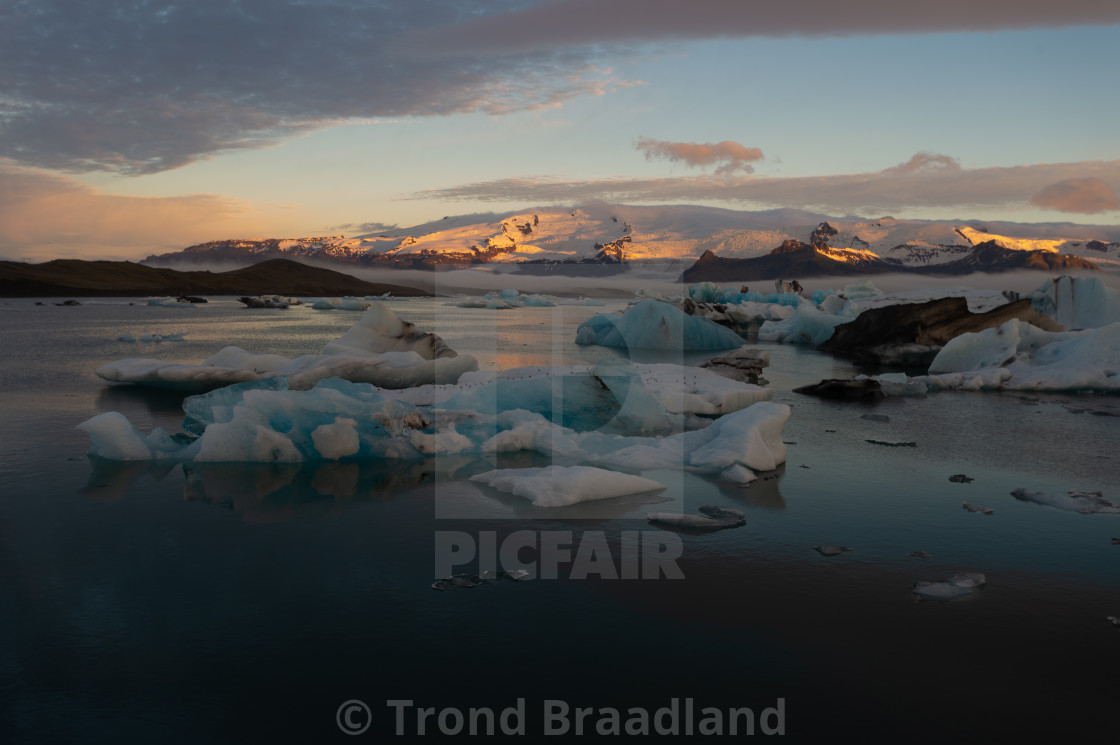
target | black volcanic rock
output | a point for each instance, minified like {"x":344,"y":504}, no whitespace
{"x":911,"y":334}
{"x":841,"y":389}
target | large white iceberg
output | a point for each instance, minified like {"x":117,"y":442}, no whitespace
{"x":1078,"y":302}
{"x":380,"y":349}
{"x":1019,"y":356}
{"x":559,"y":486}
{"x":338,"y":420}
{"x":652,"y":324}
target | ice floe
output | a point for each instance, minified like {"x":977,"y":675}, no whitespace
{"x":380,"y":349}
{"x":959,"y":585}
{"x":1087,"y":503}
{"x":559,"y":486}
{"x":714,"y":518}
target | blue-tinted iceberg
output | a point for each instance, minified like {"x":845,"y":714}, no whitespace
{"x":808,"y":326}
{"x":1078,"y":302}
{"x":652,"y":324}
{"x":263,"y":421}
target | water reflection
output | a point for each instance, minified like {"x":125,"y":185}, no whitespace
{"x":271,"y":492}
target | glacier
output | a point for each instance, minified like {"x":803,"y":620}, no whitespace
{"x":380,"y":349}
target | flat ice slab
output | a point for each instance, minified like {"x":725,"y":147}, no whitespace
{"x":559,"y":486}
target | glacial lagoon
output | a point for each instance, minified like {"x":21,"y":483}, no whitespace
{"x":234,"y":603}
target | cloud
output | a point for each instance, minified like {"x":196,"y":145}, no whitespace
{"x":563,"y":23}
{"x":731,"y":155}
{"x":153,"y":86}
{"x":45,"y":216}
{"x":925,"y":181}
{"x":367,"y":227}
{"x":1081,"y":195}
{"x":925,"y":163}
{"x":142,"y":87}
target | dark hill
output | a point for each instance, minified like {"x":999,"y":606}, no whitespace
{"x":77,"y":278}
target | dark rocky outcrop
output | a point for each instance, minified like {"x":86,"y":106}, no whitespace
{"x":742,"y":364}
{"x":911,"y":334}
{"x":863,"y":389}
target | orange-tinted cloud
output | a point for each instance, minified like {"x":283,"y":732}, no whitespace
{"x":46,"y":217}
{"x":1081,"y":195}
{"x":731,"y":156}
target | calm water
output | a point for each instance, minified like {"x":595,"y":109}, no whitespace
{"x":245,"y":604}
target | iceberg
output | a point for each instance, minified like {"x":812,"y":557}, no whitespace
{"x":652,"y":324}
{"x":380,"y":349}
{"x":264,"y":421}
{"x":625,"y":397}
{"x":559,"y":486}
{"x":1019,"y":356}
{"x":809,"y":325}
{"x":1078,"y":302}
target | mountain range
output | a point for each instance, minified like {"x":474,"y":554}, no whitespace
{"x":698,"y":240}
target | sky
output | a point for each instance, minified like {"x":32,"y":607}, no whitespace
{"x":132,"y":127}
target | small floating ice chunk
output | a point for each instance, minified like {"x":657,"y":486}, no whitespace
{"x":559,"y":486}
{"x":940,"y":590}
{"x":959,"y":585}
{"x":1086,"y":503}
{"x":831,"y":550}
{"x":920,"y":554}
{"x":714,"y":518}
{"x":974,"y":508}
{"x":968,"y":579}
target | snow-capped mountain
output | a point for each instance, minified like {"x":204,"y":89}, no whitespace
{"x":555,"y":238}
